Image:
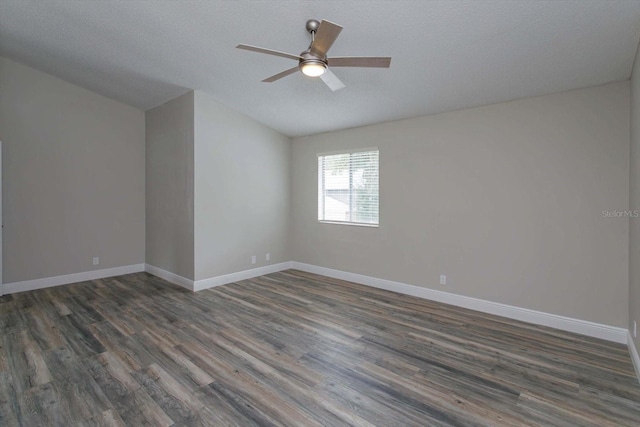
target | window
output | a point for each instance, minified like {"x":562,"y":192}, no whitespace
{"x":348,"y":187}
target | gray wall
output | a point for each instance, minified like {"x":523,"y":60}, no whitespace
{"x":73,"y":177}
{"x":242,"y":191}
{"x":505,"y":199}
{"x":169,"y":186}
{"x":634,"y":203}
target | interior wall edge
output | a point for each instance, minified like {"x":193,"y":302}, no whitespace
{"x":169,"y":276}
{"x":584,"y":327}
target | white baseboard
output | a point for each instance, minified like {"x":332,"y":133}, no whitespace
{"x":597,"y":330}
{"x":48,"y":282}
{"x":634,"y":354}
{"x":606,"y":332}
{"x":169,"y":276}
{"x":212,"y":282}
{"x":241,"y":275}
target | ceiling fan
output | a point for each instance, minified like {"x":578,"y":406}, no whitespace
{"x":314,"y":62}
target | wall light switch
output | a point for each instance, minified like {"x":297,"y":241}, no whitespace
{"x":443,"y":279}
{"x":635,"y":329}
{"x":96,"y":260}
{"x":268,"y":257}
{"x":253,"y":259}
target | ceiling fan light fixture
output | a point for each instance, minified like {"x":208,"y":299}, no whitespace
{"x":313,"y":68}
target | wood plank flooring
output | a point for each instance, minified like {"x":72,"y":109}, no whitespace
{"x":295,"y":349}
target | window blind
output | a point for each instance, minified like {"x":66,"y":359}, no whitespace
{"x":348,"y":187}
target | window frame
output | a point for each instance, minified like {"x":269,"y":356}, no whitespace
{"x":321,"y":186}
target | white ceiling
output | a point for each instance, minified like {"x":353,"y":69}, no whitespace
{"x":447,"y":55}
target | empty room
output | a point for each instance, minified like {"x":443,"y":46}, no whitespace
{"x":320,"y":213}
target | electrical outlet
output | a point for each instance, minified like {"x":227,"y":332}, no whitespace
{"x":268,"y":257}
{"x":253,"y":259}
{"x":635,"y":329}
{"x":96,"y":260}
{"x":443,"y":279}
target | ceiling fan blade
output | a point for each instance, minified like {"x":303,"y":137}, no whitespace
{"x":268,"y":51}
{"x":325,"y":36}
{"x":280,"y":75}
{"x":360,"y":61}
{"x":331,"y":80}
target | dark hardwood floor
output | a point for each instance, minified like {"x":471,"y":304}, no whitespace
{"x":296,"y":349}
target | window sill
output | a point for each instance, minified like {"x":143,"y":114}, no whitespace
{"x":357,"y":224}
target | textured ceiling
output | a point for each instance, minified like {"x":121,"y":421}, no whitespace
{"x":447,"y":55}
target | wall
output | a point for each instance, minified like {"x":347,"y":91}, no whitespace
{"x":169,"y":188}
{"x":634,"y":203}
{"x":242,"y":191}
{"x":73,"y":177}
{"x":505,"y":199}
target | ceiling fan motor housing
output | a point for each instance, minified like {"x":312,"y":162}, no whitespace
{"x":307,"y":57}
